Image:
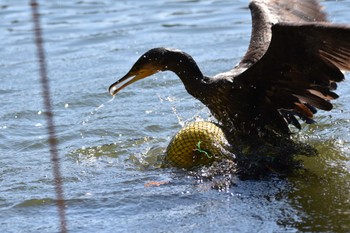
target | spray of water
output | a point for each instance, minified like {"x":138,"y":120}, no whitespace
{"x":97,"y":109}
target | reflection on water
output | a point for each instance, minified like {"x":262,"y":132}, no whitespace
{"x":110,"y":149}
{"x":322,"y":191}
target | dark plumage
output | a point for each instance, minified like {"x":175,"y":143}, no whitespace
{"x":291,"y":68}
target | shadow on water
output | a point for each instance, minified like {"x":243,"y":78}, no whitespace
{"x":321,"y":190}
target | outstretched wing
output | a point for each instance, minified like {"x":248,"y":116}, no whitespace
{"x":265,"y":13}
{"x":298,"y":73}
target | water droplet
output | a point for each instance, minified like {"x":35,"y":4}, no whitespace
{"x":38,"y":125}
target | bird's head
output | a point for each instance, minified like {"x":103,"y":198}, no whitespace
{"x":151,"y":62}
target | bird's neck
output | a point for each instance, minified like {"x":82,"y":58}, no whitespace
{"x":189,"y":73}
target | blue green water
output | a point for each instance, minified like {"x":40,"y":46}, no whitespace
{"x":109,"y":149}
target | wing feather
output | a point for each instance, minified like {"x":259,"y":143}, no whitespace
{"x":268,"y":12}
{"x":298,"y":72}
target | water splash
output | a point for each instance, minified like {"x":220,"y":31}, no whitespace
{"x":97,"y":109}
{"x":84,"y":122}
{"x":180,"y":119}
{"x":112,"y":99}
{"x":183,"y":121}
{"x":87,"y":119}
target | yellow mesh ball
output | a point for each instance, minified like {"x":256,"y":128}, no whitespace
{"x":198,"y":143}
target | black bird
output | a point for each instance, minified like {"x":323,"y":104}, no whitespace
{"x":291,"y":68}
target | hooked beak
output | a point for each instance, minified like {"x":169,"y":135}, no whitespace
{"x":128,"y":79}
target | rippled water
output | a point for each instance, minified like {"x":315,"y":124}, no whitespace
{"x":110,"y":149}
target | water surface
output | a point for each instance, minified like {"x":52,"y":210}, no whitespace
{"x":109,"y":149}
